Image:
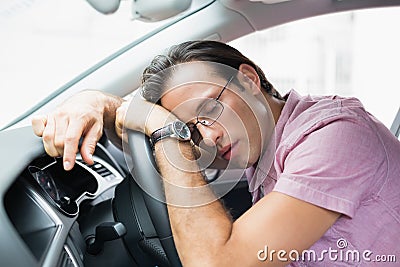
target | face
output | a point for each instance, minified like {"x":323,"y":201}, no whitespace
{"x":237,"y":135}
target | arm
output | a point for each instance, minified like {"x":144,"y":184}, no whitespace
{"x":206,"y":236}
{"x":85,"y":115}
{"x":203,"y":231}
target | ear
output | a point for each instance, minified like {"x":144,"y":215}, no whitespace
{"x":253,"y":80}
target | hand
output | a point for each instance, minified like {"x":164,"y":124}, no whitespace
{"x":141,"y":115}
{"x":80,"y":116}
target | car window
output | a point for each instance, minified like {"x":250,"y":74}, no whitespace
{"x":46,"y":43}
{"x":349,"y":54}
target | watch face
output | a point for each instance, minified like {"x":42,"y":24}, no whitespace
{"x":182,"y":130}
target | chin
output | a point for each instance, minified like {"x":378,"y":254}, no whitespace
{"x":239,"y":163}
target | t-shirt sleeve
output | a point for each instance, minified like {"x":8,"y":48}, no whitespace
{"x":334,"y":166}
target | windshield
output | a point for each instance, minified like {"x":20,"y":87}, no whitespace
{"x":46,"y":43}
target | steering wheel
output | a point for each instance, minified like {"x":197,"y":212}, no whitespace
{"x":146,"y":175}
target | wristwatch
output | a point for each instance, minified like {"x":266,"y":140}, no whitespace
{"x":176,"y":129}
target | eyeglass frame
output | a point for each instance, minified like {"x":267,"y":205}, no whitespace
{"x":193,"y":126}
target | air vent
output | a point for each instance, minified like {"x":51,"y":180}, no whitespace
{"x":100,"y":169}
{"x":66,"y":259}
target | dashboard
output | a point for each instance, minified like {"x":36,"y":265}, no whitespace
{"x":45,"y":201}
{"x":50,"y":215}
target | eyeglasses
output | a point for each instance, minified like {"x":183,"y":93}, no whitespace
{"x":208,"y":114}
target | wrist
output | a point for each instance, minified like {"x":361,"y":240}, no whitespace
{"x":158,"y":119}
{"x":109,"y":104}
{"x":176,"y":129}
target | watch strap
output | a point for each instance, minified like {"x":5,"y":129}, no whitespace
{"x":161,"y":133}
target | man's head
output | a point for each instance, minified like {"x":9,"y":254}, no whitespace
{"x":207,"y":51}
{"x":214,"y":87}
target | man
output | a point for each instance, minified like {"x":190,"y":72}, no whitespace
{"x":334,"y":178}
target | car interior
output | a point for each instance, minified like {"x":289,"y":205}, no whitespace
{"x":99,"y":215}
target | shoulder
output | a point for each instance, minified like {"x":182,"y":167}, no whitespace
{"x":326,"y":151}
{"x":311,"y":114}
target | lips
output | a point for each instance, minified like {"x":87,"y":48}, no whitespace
{"x":226,"y":151}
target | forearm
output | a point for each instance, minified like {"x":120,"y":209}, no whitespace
{"x":202,"y":227}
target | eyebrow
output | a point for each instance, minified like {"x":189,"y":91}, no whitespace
{"x":201,"y":104}
{"x":216,"y":98}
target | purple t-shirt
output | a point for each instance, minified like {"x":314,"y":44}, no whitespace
{"x":330,"y":152}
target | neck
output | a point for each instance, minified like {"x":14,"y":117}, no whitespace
{"x":276,"y":105}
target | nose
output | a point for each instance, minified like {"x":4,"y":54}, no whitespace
{"x":211,"y":134}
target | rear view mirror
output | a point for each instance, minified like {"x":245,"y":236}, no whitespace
{"x":145,"y":10}
{"x":105,"y":6}
{"x":155,"y":10}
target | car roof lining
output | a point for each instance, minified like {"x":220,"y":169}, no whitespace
{"x":280,"y":13}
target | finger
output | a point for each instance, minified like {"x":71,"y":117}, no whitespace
{"x":120,"y":131}
{"x":61,"y":126}
{"x":89,"y":142}
{"x":71,"y":143}
{"x":48,"y":137}
{"x":119,"y":119}
{"x":39,"y":124}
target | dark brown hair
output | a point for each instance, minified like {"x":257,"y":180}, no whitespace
{"x":190,"y":51}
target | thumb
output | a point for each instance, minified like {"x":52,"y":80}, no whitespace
{"x":39,"y":124}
